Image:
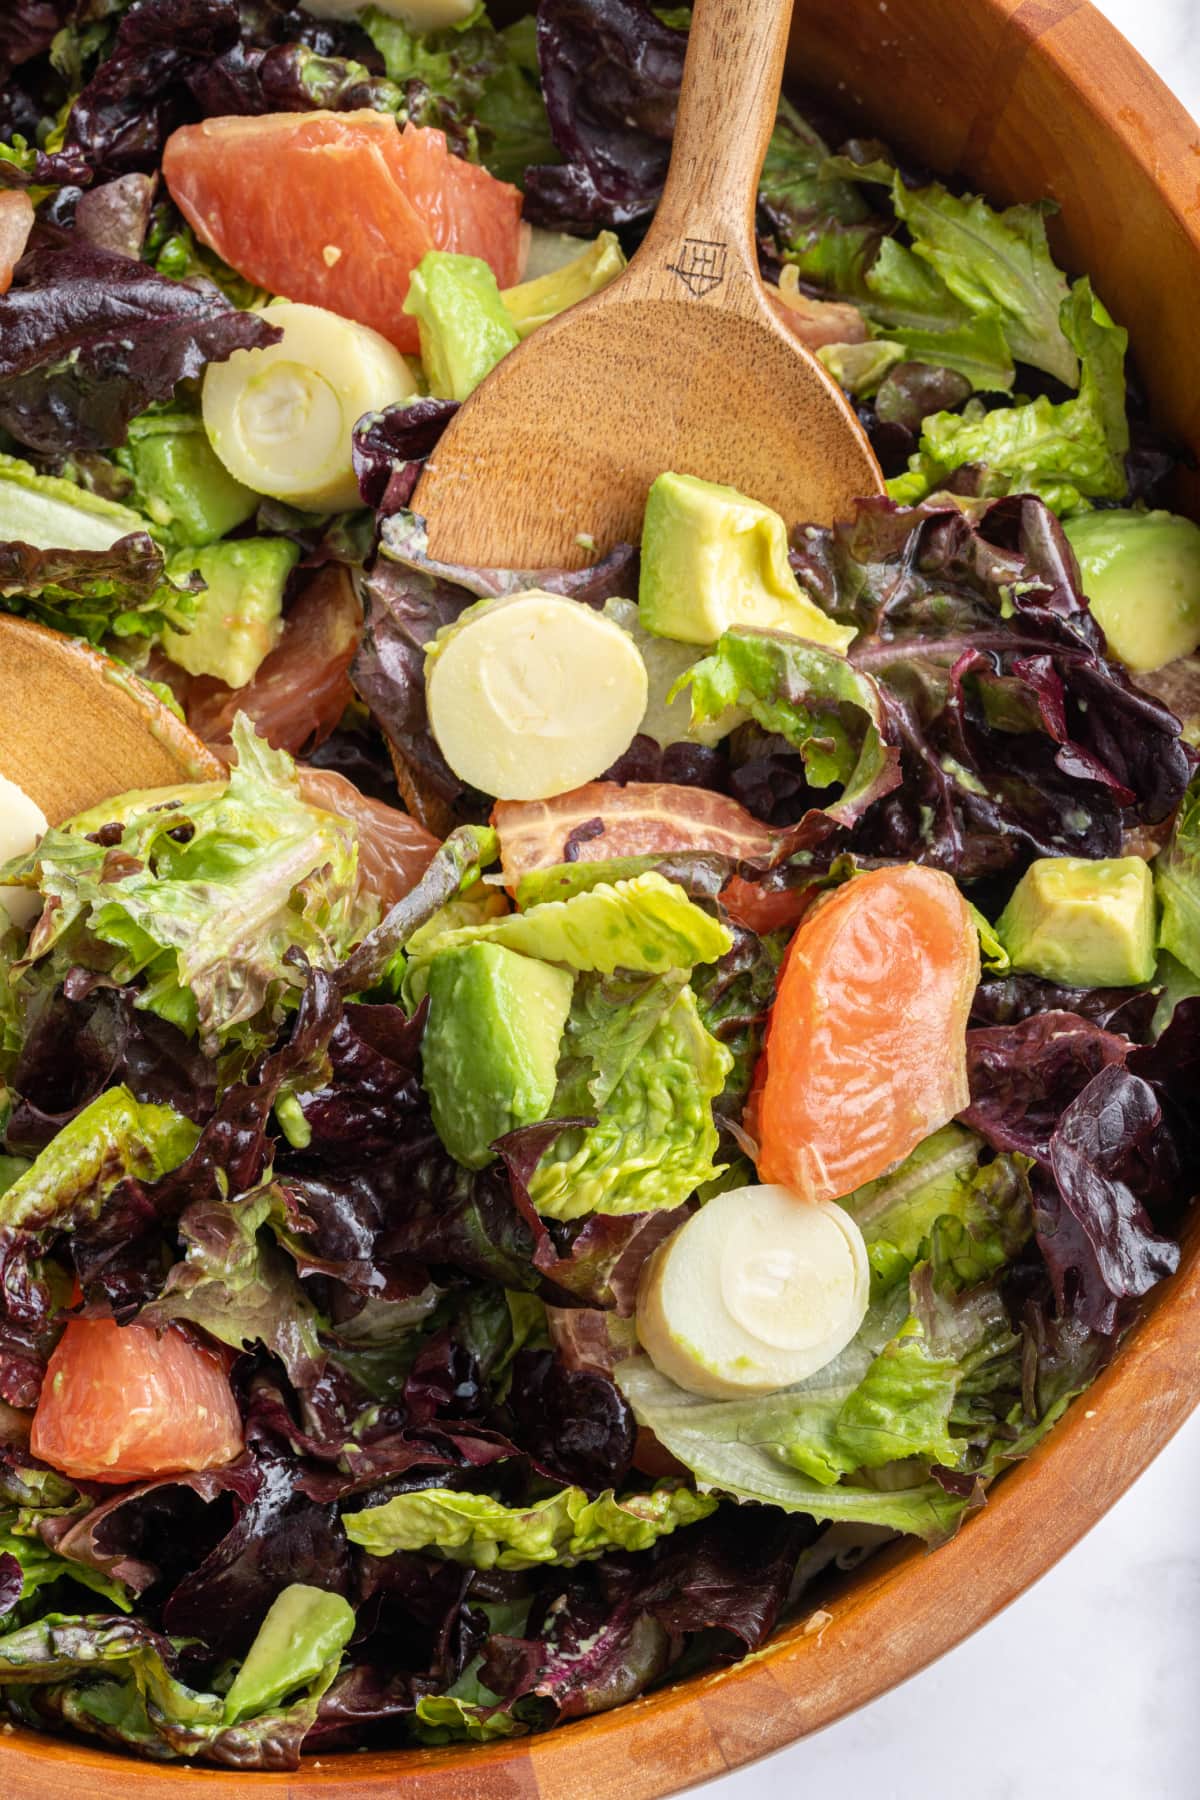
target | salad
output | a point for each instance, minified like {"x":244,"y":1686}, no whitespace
{"x":645,"y":1081}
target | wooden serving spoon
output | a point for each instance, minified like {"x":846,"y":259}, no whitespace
{"x":76,"y":727}
{"x":679,"y":364}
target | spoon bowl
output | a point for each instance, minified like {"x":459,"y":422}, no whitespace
{"x":681,"y":363}
{"x":77,"y":727}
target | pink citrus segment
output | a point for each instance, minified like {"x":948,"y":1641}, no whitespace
{"x":122,"y":1403}
{"x":866,"y":1045}
{"x":337,"y":209}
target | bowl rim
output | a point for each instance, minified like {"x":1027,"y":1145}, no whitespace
{"x":882,"y":1626}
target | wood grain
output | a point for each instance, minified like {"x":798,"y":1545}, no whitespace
{"x":1041,"y":96}
{"x":679,"y":364}
{"x":76,"y":729}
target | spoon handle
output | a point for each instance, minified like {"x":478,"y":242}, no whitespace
{"x":702,"y":239}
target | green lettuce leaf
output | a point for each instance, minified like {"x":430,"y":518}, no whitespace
{"x":911,"y":305}
{"x":12,"y":1030}
{"x":818,"y":701}
{"x":80,"y":563}
{"x":998,"y":264}
{"x":488,"y":78}
{"x":109,"y":1678}
{"x":236,"y":1284}
{"x":797,"y":190}
{"x":206,"y":898}
{"x":855,"y":1441}
{"x":1069,"y":453}
{"x":970,"y":269}
{"x":734,"y":997}
{"x":1177,"y":883}
{"x":566,"y":1528}
{"x":41,"y":1567}
{"x":860,"y":368}
{"x":641,"y":1059}
{"x":944,"y":1204}
{"x":474,"y":1716}
{"x":646,"y":925}
{"x":992,"y":954}
{"x":112,"y":1139}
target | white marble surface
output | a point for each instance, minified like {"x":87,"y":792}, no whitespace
{"x":1088,"y":1686}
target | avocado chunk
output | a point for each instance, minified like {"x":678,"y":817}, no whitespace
{"x":1141,"y":574}
{"x":53,"y":514}
{"x":712,"y":559}
{"x":535,"y":302}
{"x":1085,"y":924}
{"x":305,"y":1629}
{"x":239,"y":617}
{"x":490,"y":1051}
{"x":183,"y":484}
{"x":462,"y":321}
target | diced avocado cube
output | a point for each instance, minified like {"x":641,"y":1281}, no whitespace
{"x":1141,"y":574}
{"x":53,"y":514}
{"x":462,"y":322}
{"x":1085,"y":924}
{"x":185,"y":487}
{"x":239,"y":615}
{"x":490,"y":1051}
{"x":534,"y":302}
{"x":712,"y":559}
{"x":305,"y":1629}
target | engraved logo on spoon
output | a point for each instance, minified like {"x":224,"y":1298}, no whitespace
{"x":700,"y":266}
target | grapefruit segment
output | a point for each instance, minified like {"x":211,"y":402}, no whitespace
{"x":394,"y":851}
{"x":866,"y":1044}
{"x":16,"y":223}
{"x":337,"y":209}
{"x":120,"y":1403}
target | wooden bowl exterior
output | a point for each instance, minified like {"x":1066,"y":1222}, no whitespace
{"x":1024,"y":97}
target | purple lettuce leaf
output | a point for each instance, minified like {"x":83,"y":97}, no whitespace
{"x":680,"y":764}
{"x":116,"y":215}
{"x":137,"y":96}
{"x":416,"y":1633}
{"x":576,"y":1424}
{"x":1065,"y":1092}
{"x":606,"y":1631}
{"x":31,"y":1300}
{"x":349,"y":1444}
{"x":83,"y":1038}
{"x":150,"y":1535}
{"x":1008,"y":999}
{"x":389,"y":449}
{"x":1111,"y":1160}
{"x":131,"y":569}
{"x":173,"y":61}
{"x":89,"y":339}
{"x":1172,"y":1067}
{"x":279,"y":1537}
{"x":12,"y":1580}
{"x":1018,"y":737}
{"x":1024,"y":1076}
{"x":122,"y":1259}
{"x":593,"y":1656}
{"x":611,"y":72}
{"x":28,"y":28}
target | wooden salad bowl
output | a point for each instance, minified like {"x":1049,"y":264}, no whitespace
{"x":1023,"y":98}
